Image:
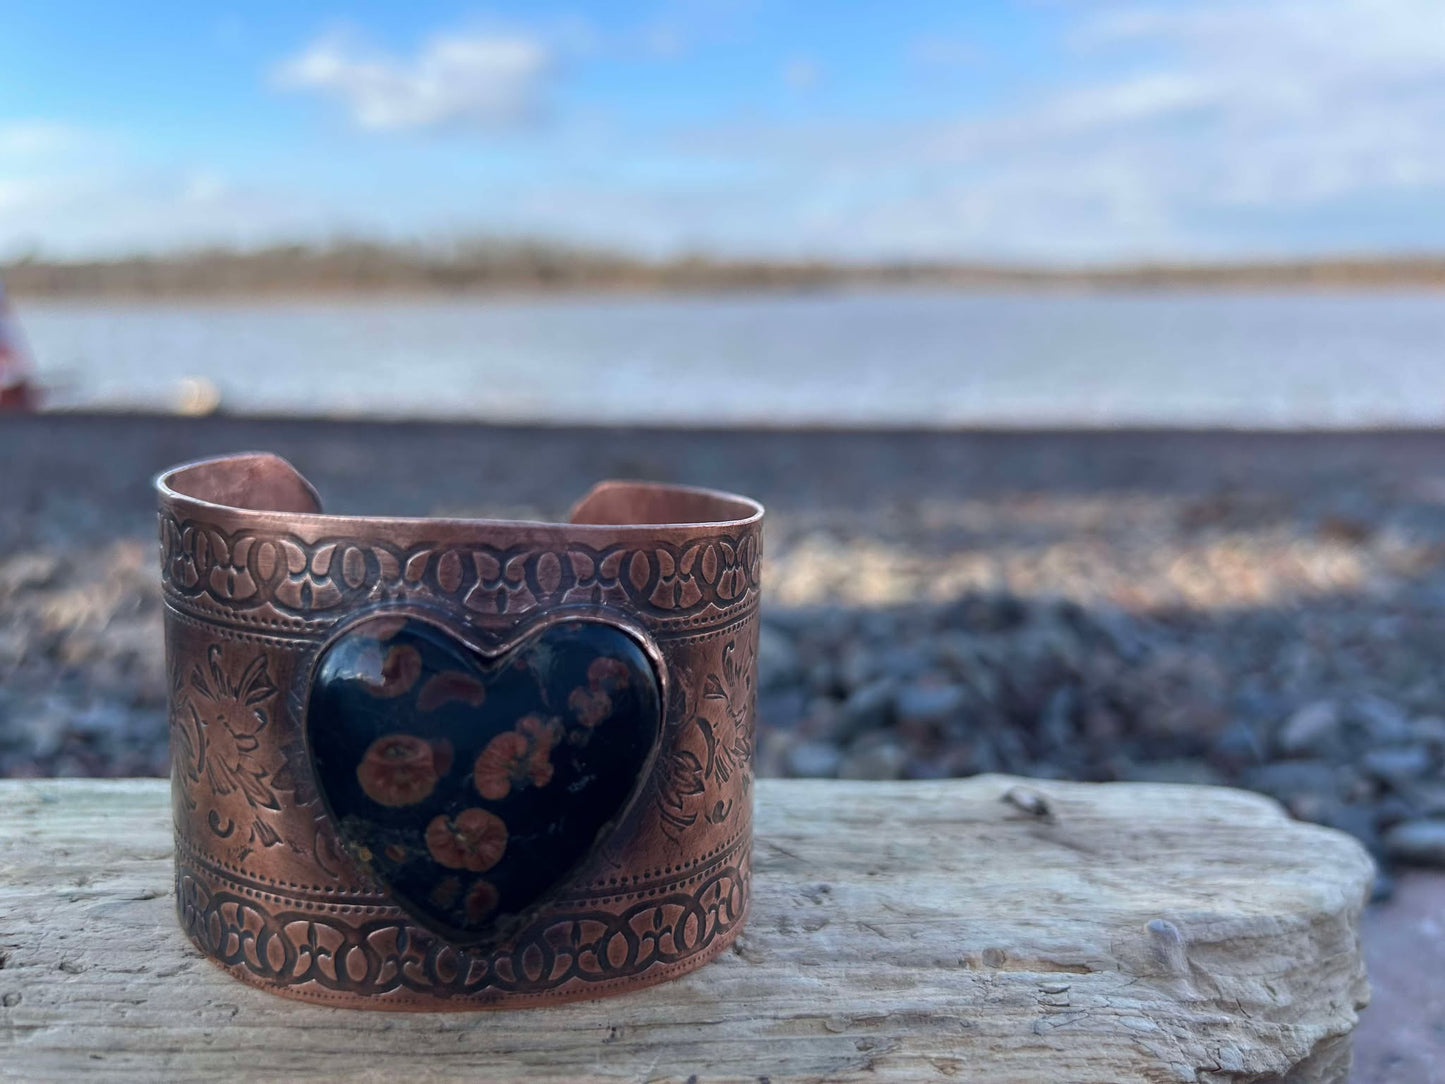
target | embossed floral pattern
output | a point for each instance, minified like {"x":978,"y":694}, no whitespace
{"x":402,"y":769}
{"x":218,"y":722}
{"x":714,"y":744}
{"x":516,"y":758}
{"x":475,"y":840}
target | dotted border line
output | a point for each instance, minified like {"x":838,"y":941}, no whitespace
{"x":294,"y":630}
{"x":324,"y":897}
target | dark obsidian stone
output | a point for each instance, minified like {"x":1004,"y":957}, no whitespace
{"x":473,"y":786}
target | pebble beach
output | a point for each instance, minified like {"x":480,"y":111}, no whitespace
{"x":1260,"y":610}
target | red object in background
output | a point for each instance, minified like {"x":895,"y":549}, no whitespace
{"x":17,"y":392}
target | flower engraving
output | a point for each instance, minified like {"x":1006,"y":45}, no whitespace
{"x":716,"y":744}
{"x":218,"y":739}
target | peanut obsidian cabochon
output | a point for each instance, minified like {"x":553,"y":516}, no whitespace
{"x":472,"y":786}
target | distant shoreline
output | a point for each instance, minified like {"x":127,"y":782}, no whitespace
{"x":487,"y":269}
{"x":1084,"y":430}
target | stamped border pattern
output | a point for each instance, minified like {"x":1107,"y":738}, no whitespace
{"x":249,"y":572}
{"x":309,"y":953}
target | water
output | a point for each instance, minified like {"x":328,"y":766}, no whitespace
{"x":903,"y":358}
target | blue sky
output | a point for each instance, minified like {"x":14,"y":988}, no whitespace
{"x":1057,"y":131}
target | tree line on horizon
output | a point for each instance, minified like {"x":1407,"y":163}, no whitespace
{"x":351,"y":267}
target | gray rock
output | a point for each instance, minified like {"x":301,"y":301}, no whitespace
{"x":1288,"y":779}
{"x":1428,"y":797}
{"x":861,"y":664}
{"x":1382,"y":720}
{"x":820,"y":718}
{"x":1394,"y":809}
{"x":98,"y":720}
{"x":867,"y":708}
{"x":1397,"y":765}
{"x":1420,"y":842}
{"x":878,"y":626}
{"x":37,"y":729}
{"x":1010,"y":751}
{"x":769,"y":751}
{"x":796,"y":621}
{"x":1429,"y":729}
{"x":823,"y":677}
{"x":906,"y":661}
{"x":877,"y":760}
{"x":1311,"y":805}
{"x":1178,"y":770}
{"x":1056,"y":722}
{"x":1358,"y":821}
{"x":29,"y":571}
{"x":14,"y":644}
{"x":1237,"y":746}
{"x":996,"y":612}
{"x":969,"y":757}
{"x":813,"y":760}
{"x":1383,"y":887}
{"x":977,"y":674}
{"x":1125,"y":633}
{"x":930,"y":705}
{"x":1102,"y":726}
{"x":781,"y":709}
{"x":1310,"y":731}
{"x":778,"y":663}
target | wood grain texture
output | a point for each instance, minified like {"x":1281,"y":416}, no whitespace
{"x":899,"y":931}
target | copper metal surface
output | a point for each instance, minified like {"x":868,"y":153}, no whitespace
{"x":255,"y":578}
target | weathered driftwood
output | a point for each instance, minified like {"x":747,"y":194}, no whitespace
{"x":899,"y":932}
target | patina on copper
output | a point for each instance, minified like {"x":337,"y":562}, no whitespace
{"x":420,"y":876}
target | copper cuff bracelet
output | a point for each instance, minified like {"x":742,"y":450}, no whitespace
{"x":457,"y":764}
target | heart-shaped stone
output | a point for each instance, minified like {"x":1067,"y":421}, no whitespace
{"x":472,"y":784}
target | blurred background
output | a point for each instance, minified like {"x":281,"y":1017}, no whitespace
{"x":1089,"y":356}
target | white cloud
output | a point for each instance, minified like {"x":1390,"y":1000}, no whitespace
{"x":1213,"y":128}
{"x":1230,"y":129}
{"x":1217,"y":129}
{"x":487,"y":80}
{"x":1280,"y":104}
{"x":34,"y":139}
